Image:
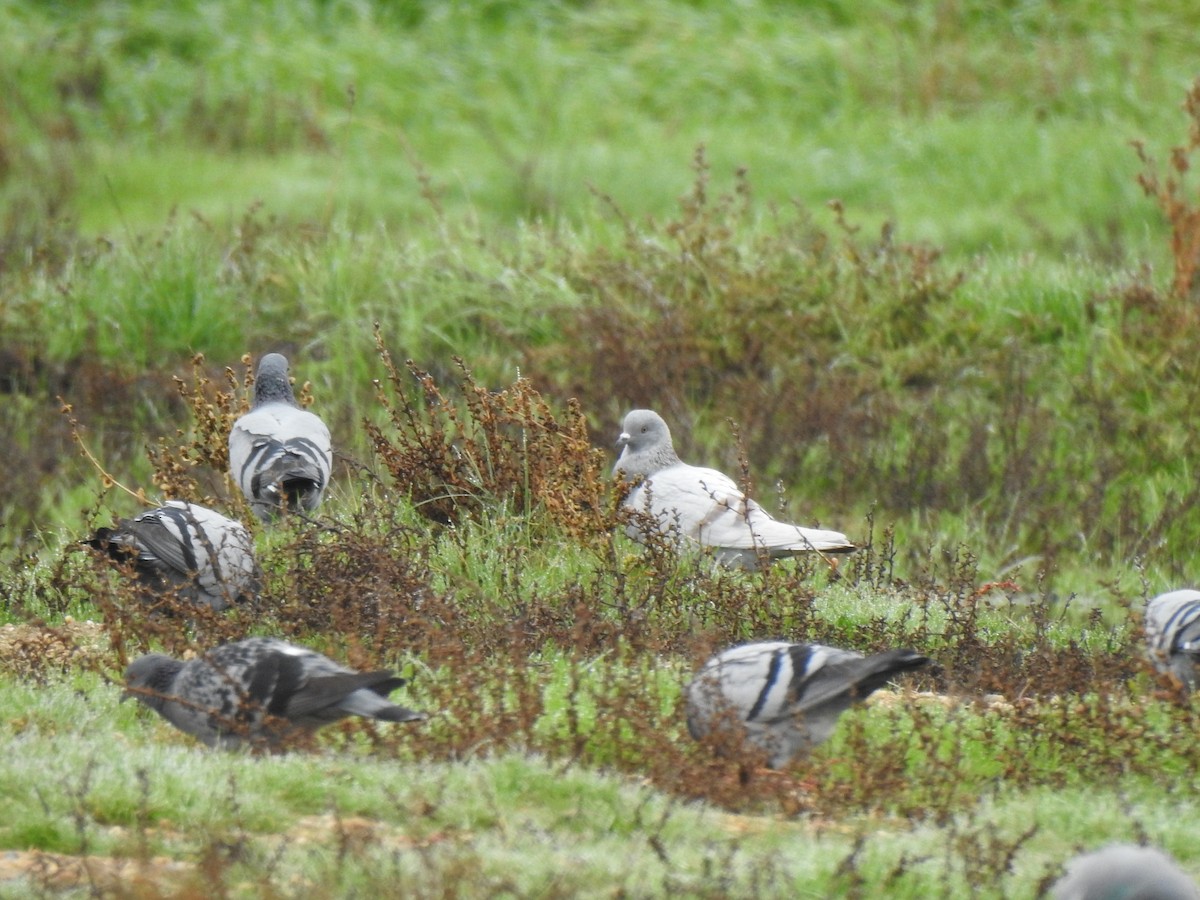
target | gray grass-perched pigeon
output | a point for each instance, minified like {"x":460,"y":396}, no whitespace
{"x":703,"y":506}
{"x":200,"y":554}
{"x":279,"y":454}
{"x":1124,"y":872}
{"x":1173,"y":634}
{"x":786,"y":698}
{"x":260,"y":690}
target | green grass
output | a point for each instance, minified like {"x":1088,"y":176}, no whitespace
{"x":133,"y":787}
{"x":513,"y":111}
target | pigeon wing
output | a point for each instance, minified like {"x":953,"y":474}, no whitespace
{"x":709,"y":508}
{"x":787,"y":696}
{"x":161,"y":537}
{"x":843,"y":678}
{"x":310,"y":689}
{"x":326,"y":691}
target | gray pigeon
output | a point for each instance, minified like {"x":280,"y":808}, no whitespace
{"x":260,"y":691}
{"x":1124,"y":872}
{"x":280,"y":455}
{"x":786,"y":698}
{"x":1173,"y":634}
{"x":702,"y":506}
{"x":185,"y":548}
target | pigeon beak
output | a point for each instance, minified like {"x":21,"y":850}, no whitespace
{"x":623,"y":439}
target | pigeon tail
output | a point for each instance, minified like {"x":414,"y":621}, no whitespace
{"x":394,"y":713}
{"x":371,"y":701}
{"x":291,"y":478}
{"x":300,"y":490}
{"x":783,"y":539}
{"x":109,"y":541}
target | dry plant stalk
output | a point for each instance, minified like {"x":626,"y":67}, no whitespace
{"x":491,"y":449}
{"x":1180,"y":206}
{"x":206,"y":446}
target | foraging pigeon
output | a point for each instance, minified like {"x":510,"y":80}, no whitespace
{"x":705,"y":506}
{"x":786,"y":697}
{"x":1124,"y":872}
{"x":260,"y":690}
{"x":1173,"y":634}
{"x":279,"y":454}
{"x":186,"y":548}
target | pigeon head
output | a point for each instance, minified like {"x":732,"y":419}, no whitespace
{"x":149,"y":679}
{"x":645,"y":443}
{"x":271,"y":384}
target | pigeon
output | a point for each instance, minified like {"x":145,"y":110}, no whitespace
{"x":702,"y":506}
{"x":786,"y":697}
{"x":260,"y":691}
{"x":279,"y":454}
{"x":187,"y":550}
{"x":1124,"y":872}
{"x":1173,"y":634}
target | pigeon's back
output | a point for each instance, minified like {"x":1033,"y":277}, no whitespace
{"x":206,"y":556}
{"x":787,"y":697}
{"x":219,"y":549}
{"x":1124,"y":872}
{"x":280,"y":455}
{"x":707,"y":508}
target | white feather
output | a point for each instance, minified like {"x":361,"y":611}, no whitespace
{"x":702,"y":506}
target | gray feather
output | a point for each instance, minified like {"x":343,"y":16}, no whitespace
{"x":186,"y":548}
{"x":786,"y":698}
{"x":260,"y":690}
{"x":280,"y":455}
{"x":1124,"y":872}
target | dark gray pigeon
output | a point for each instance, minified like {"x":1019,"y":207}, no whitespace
{"x":1124,"y":872}
{"x":704,"y":507}
{"x":786,"y":698}
{"x":260,"y":691}
{"x":202,"y":556}
{"x":1173,"y":634}
{"x":280,"y":455}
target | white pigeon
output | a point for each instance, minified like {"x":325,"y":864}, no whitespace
{"x":703,"y":506}
{"x":1173,"y":634}
{"x":786,"y":698}
{"x":260,"y":691}
{"x":1124,"y":872}
{"x":280,"y":455}
{"x":202,"y":556}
